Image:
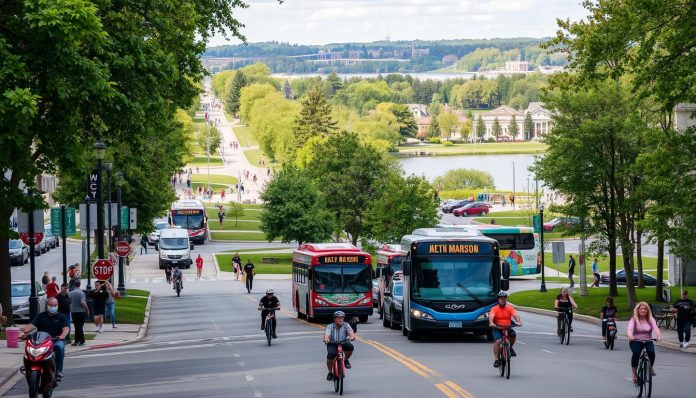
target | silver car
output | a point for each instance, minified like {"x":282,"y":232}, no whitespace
{"x":154,"y":237}
{"x":21,"y":290}
{"x":19,"y":252}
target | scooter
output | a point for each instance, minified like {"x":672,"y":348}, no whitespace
{"x":611,"y":333}
{"x":40,"y":365}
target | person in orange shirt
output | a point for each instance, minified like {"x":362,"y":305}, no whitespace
{"x":500,"y":318}
{"x":199,"y":266}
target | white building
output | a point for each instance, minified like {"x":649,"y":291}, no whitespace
{"x":541,"y":122}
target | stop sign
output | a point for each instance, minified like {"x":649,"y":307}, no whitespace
{"x":122,"y":248}
{"x":38,"y":237}
{"x":103,"y":269}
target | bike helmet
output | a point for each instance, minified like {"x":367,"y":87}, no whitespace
{"x":269,"y":291}
{"x":339,"y":314}
{"x":502,"y":294}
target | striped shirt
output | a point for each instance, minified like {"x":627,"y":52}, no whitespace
{"x":337,"y":334}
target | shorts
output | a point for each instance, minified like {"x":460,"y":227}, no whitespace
{"x":498,"y":334}
{"x":332,"y":349}
{"x":98,"y":310}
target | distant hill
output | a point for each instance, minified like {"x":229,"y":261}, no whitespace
{"x":382,"y":56}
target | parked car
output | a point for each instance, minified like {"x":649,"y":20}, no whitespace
{"x":375,"y":292}
{"x":393,"y":304}
{"x":51,"y":241}
{"x":19,"y":252}
{"x":41,"y":248}
{"x":621,"y":278}
{"x":21,"y":290}
{"x":561,"y":222}
{"x":448,"y":208}
{"x":154,"y":236}
{"x":504,"y":138}
{"x":472,"y":209}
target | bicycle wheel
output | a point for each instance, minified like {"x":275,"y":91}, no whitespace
{"x":611,"y":340}
{"x":566,"y":322}
{"x":647,"y":379}
{"x":341,"y":378}
{"x":639,"y":380}
{"x":507,"y":363}
{"x":335,"y":375}
{"x":562,"y":334}
{"x":501,"y":359}
{"x":269,"y":331}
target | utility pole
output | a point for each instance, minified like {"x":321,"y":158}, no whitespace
{"x":583,"y":260}
{"x":513,"y":185}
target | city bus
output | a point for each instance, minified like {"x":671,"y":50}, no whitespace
{"x":451,"y":281}
{"x":519,"y":246}
{"x":388,"y":262}
{"x":327,"y":277}
{"x":190,"y":214}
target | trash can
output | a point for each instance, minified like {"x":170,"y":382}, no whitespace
{"x":12,"y":334}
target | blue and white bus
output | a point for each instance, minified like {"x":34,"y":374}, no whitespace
{"x":451,"y":280}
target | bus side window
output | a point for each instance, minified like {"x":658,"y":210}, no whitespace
{"x":506,"y":241}
{"x":525,"y":241}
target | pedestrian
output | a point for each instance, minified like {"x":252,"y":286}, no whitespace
{"x":222,"y":195}
{"x":199,"y":266}
{"x":640,"y":333}
{"x":198,"y":171}
{"x":143,"y":243}
{"x":237,"y":265}
{"x":503,"y":200}
{"x":99,"y":296}
{"x":188,"y":182}
{"x":45,"y":279}
{"x":168,"y":273}
{"x":571,"y":271}
{"x":685,"y":316}
{"x":512,"y":200}
{"x":241,"y":188}
{"x":78,"y":312}
{"x":64,"y":306}
{"x":111,"y":304}
{"x":73,"y":276}
{"x":221,"y":215}
{"x":249,"y":273}
{"x":52,"y":288}
{"x":595,"y":272}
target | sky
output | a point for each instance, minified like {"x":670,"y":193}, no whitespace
{"x":339,"y":21}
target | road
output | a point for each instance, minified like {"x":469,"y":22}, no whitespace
{"x":207,"y":343}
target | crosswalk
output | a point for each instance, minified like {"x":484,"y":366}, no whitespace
{"x":162,"y":279}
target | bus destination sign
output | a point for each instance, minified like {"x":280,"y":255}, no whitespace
{"x":187,"y":211}
{"x":454,"y":248}
{"x":342,"y":259}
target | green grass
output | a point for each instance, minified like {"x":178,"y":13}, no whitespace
{"x":214,"y":179}
{"x":202,"y":161}
{"x":229,"y":224}
{"x":284,"y":265}
{"x":509,"y":221}
{"x":270,"y":249}
{"x":649,"y":263}
{"x":244,"y":236}
{"x":215,"y":187}
{"x":130,"y":309}
{"x":587,"y":305}
{"x":479,"y":149}
{"x":244,"y":136}
{"x":249,"y":214}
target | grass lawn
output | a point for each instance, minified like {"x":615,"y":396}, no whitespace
{"x":214,"y":179}
{"x":230,"y":224}
{"x":245,"y":136}
{"x":270,"y":249}
{"x":215,"y":187}
{"x":131,"y":308}
{"x":249,"y":214}
{"x":202,"y":161}
{"x":649,"y":264}
{"x":478,"y":149}
{"x":251,"y":236}
{"x":587,"y":305}
{"x":284,"y":265}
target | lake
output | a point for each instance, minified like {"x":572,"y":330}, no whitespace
{"x":499,"y":166}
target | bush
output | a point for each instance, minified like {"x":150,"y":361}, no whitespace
{"x":448,"y":143}
{"x":490,"y":139}
{"x":464,"y":179}
{"x":434,"y":140}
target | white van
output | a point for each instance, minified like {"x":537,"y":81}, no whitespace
{"x":174,"y":248}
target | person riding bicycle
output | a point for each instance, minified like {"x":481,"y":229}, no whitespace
{"x":564,"y":303}
{"x":608,"y":312}
{"x":177,"y":276}
{"x":337,"y":333}
{"x":500,"y":318}
{"x":640,"y":331}
{"x":267,"y":303}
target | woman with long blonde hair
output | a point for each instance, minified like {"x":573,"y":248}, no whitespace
{"x":640,"y":333}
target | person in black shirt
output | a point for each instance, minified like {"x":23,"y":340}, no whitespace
{"x":608,"y":311}
{"x":249,"y":271}
{"x":99,"y":296}
{"x":685,"y":317}
{"x":269,"y":302}
{"x":54,"y":323}
{"x":571,"y":270}
{"x":564,"y":303}
{"x":64,"y":306}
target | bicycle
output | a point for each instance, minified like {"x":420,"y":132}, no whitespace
{"x":339,"y":367}
{"x":177,"y":286}
{"x":643,"y":373}
{"x":504,"y":354}
{"x":610,"y":333}
{"x":564,"y":334}
{"x":268,"y":324}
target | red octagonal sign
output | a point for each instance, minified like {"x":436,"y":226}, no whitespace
{"x":122,"y":248}
{"x":103,"y":269}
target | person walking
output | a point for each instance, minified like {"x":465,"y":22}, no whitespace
{"x":640,"y":331}
{"x":222,"y":195}
{"x":99,"y":296}
{"x":168,"y":273}
{"x":143,"y":243}
{"x":111,"y":304}
{"x":595,"y":272}
{"x":45,"y":279}
{"x":199,"y":266}
{"x":78,"y":312}
{"x":685,"y":316}
{"x":52,"y":288}
{"x":64,"y":306}
{"x":249,"y":273}
{"x":237,"y":265}
{"x":571,"y":271}
{"x":221,"y":215}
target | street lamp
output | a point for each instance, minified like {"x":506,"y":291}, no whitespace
{"x":119,"y":184}
{"x":99,"y":152}
{"x":541,"y":239}
{"x":88,"y":203}
{"x":109,"y":166}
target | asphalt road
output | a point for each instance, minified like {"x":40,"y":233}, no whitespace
{"x":207,"y":343}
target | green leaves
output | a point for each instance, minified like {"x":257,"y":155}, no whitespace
{"x":464,"y":179}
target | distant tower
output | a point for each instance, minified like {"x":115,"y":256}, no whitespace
{"x":287,"y":90}
{"x":388,"y":38}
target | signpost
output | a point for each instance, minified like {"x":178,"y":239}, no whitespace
{"x":63,"y":224}
{"x":558,"y":252}
{"x":38,"y":237}
{"x":28,"y":223}
{"x":133,"y":221}
{"x":103,"y":269}
{"x":122,"y":248}
{"x":125,"y":216}
{"x":94,"y":185}
{"x":536,"y":222}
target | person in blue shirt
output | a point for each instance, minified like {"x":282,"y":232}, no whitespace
{"x":595,"y":272}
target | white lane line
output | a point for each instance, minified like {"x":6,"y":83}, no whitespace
{"x":249,"y":377}
{"x":235,"y":355}
{"x":521,"y":342}
{"x":242,"y":364}
{"x":548,"y":351}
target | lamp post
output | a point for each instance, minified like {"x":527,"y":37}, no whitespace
{"x":119,"y":183}
{"x":513,"y":185}
{"x":88,"y":203}
{"x":99,"y":152}
{"x":109,"y":166}
{"x":541,"y":238}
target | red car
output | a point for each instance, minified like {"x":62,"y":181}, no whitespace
{"x":472,"y":209}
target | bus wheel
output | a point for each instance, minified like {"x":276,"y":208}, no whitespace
{"x":363,"y":318}
{"x":309,"y":318}
{"x":403,"y":329}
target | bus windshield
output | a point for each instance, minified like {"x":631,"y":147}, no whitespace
{"x":188,"y":221}
{"x":342,"y":279}
{"x":452,"y":278}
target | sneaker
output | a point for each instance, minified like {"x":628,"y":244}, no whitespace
{"x":686,"y":344}
{"x":114,"y":327}
{"x":681,"y":345}
{"x":329,"y":376}
{"x":512,"y":352}
{"x":348,"y":365}
{"x":496,"y":364}
{"x":81,"y":343}
{"x":59,"y":375}
{"x":571,"y":329}
{"x":74,"y":344}
{"x":275,"y":336}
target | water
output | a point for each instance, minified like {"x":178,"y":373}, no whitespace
{"x":499,"y":166}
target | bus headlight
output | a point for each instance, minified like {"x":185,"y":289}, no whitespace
{"x":483,"y":315}
{"x":365,"y":300}
{"x":320,"y":301}
{"x":421,"y":314}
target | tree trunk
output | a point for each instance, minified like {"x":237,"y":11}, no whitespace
{"x":660,"y":270}
{"x":613,"y":290}
{"x":5,"y":271}
{"x":627,"y":254}
{"x":639,"y":258}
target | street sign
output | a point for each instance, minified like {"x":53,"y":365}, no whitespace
{"x":124,"y":217}
{"x":57,"y":221}
{"x":122,"y":248}
{"x":114,"y":215}
{"x":536,"y":222}
{"x":92,"y":218}
{"x":38,"y":237}
{"x":103,"y":269}
{"x":558,"y":250}
{"x":133,"y":221}
{"x":23,"y":221}
{"x":94,"y":184}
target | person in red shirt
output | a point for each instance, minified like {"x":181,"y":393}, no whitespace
{"x":500,"y":318}
{"x":199,"y":266}
{"x":52,"y":288}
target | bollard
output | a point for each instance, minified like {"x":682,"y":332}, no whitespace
{"x":12,"y":336}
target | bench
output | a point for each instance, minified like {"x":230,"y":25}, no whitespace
{"x":270,"y":260}
{"x":663,"y":316}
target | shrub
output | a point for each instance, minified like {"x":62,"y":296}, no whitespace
{"x":448,"y":143}
{"x":464,"y":179}
{"x":490,"y":139}
{"x":434,"y":140}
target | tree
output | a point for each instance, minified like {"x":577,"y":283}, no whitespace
{"x":272,"y":119}
{"x":334,"y":84}
{"x":496,"y":128}
{"x":480,"y":128}
{"x":513,"y":128}
{"x":405,"y":204}
{"x":251,"y":94}
{"x":234,"y":92}
{"x":294,"y":210}
{"x":528,"y":126}
{"x":287,"y":90}
{"x":448,"y":123}
{"x":314,"y":119}
{"x":209,"y":138}
{"x":407,"y":123}
{"x":464,"y":179}
{"x":235,"y":210}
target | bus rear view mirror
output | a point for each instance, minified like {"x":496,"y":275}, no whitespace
{"x":506,"y":271}
{"x":504,"y":284}
{"x":407,"y":267}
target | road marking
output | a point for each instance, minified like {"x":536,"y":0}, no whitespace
{"x":410,"y":360}
{"x":521,"y":342}
{"x":548,"y":351}
{"x":249,"y":378}
{"x":445,"y":390}
{"x":458,"y":389}
{"x":242,"y":364}
{"x":398,"y":358}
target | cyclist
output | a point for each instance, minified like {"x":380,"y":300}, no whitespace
{"x":177,"y":276}
{"x":640,"y":330}
{"x":267,"y":303}
{"x":501,"y":317}
{"x":608,"y":311}
{"x":338,"y":331}
{"x":564,"y":303}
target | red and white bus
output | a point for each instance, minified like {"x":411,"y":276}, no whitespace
{"x":388,"y":262}
{"x":331,"y":276}
{"x":190,"y":214}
